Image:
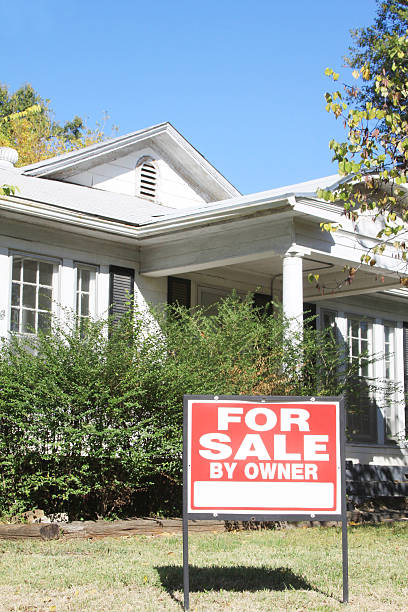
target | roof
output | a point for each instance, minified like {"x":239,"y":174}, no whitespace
{"x":125,"y":208}
{"x":139,"y":211}
{"x":306,"y":189}
{"x":163,"y":137}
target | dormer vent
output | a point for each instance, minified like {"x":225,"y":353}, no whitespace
{"x":148,"y":175}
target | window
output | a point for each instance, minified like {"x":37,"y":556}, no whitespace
{"x":328,"y":321}
{"x":179,"y":291}
{"x":360,"y":341}
{"x":389,"y":349}
{"x":209,"y":298}
{"x":148,"y":175}
{"x":85,"y":291}
{"x":362,"y":408}
{"x":32,"y":294}
{"x":373,"y":398}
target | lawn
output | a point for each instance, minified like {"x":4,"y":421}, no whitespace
{"x":292,"y":569}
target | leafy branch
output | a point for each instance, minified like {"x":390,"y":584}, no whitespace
{"x":374,"y":156}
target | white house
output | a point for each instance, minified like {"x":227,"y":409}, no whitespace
{"x":147,"y":213}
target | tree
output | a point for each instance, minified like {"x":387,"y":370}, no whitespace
{"x":370,"y":49}
{"x":374,"y":156}
{"x":26,"y":124}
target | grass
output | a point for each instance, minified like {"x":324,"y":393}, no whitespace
{"x":293,"y":569}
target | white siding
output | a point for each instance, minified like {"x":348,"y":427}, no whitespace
{"x":377,"y":454}
{"x":121,"y":176}
{"x":174,"y":190}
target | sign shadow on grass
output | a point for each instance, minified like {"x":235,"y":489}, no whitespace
{"x":237,"y":578}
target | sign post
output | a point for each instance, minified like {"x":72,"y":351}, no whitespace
{"x":263,"y":458}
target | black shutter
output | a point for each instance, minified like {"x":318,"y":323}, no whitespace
{"x":263,"y":302}
{"x":309,"y":310}
{"x":405,"y":331}
{"x":121,"y":289}
{"x":179,"y":291}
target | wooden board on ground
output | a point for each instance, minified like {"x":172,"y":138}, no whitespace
{"x":156,"y":527}
{"x":102,"y":529}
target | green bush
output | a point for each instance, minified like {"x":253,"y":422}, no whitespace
{"x":91,"y":414}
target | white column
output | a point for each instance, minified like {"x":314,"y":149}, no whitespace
{"x":292,"y":290}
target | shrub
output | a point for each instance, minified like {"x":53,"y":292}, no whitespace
{"x":91,"y":414}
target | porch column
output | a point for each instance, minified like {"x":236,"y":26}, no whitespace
{"x":292,"y":289}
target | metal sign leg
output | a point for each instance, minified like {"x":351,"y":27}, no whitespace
{"x":186,"y":581}
{"x":345,"y":557}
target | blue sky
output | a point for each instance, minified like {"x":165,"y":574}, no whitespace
{"x":242,"y":81}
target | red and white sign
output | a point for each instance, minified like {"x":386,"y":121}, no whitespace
{"x":263,"y":457}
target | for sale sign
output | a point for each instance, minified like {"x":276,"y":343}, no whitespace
{"x":263,"y":456}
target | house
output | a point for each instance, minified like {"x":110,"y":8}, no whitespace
{"x":147,"y":213}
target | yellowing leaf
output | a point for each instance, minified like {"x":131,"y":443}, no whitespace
{"x":365,"y":73}
{"x":355,"y":74}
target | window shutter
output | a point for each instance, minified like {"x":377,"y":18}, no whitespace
{"x":179,"y":291}
{"x":121,"y":289}
{"x":310,"y":311}
{"x":405,"y":332}
{"x":263,"y":302}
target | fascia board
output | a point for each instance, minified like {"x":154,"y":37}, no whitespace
{"x":307,"y":205}
{"x":215,"y":214}
{"x":202,"y":161}
{"x":70,"y":160}
{"x":247,"y":205}
{"x":203,"y":217}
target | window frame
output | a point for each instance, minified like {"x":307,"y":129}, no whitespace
{"x":369,"y":340}
{"x":389,"y":412}
{"x":385,"y":425}
{"x":92,"y":292}
{"x":21,"y":282}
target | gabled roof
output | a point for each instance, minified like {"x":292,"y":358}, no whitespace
{"x":163,"y":138}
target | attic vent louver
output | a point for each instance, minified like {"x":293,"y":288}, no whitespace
{"x":148,"y":179}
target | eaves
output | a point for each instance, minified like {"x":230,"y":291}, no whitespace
{"x":36,"y":212}
{"x":287,"y":206}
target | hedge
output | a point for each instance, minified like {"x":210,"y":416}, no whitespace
{"x":91,"y":414}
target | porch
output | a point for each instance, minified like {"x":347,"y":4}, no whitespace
{"x":270,"y":247}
